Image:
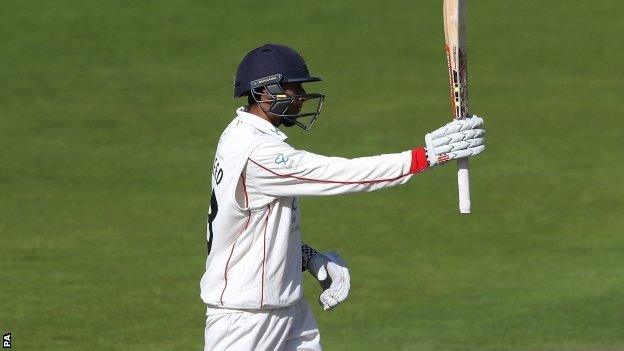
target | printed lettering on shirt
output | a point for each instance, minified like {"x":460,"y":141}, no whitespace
{"x":217,"y":171}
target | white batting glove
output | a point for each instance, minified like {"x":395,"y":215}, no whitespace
{"x":458,"y":139}
{"x":332,"y":273}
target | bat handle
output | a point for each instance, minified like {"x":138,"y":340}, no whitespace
{"x":463,"y":185}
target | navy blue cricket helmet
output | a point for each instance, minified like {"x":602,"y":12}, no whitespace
{"x":261,"y":74}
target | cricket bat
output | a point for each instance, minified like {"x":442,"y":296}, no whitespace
{"x":455,"y":45}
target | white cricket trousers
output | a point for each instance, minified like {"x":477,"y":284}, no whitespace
{"x":281,"y":329}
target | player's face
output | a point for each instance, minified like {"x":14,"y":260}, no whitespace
{"x":297,"y":104}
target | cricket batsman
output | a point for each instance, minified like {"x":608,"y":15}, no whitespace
{"x":252,"y":283}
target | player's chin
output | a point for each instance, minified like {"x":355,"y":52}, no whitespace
{"x":288,"y":121}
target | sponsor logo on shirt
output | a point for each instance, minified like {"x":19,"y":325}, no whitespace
{"x":280,"y":159}
{"x":286,"y":162}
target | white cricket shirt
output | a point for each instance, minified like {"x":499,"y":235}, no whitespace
{"x":254,"y":259}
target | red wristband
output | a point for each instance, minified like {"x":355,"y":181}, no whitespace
{"x":419,"y":160}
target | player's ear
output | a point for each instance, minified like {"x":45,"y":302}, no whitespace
{"x":258,"y":96}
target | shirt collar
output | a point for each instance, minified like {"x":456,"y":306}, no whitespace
{"x":260,"y":123}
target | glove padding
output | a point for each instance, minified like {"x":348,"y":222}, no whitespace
{"x":458,"y":139}
{"x":332,"y":273}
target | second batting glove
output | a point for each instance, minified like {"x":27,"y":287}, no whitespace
{"x":332,"y":273}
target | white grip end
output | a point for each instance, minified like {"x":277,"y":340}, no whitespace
{"x":463,"y":185}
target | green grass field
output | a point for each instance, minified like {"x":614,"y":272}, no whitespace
{"x":109,"y":117}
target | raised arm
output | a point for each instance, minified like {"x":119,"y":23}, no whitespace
{"x":275,"y":168}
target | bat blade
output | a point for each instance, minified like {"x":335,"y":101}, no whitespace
{"x":455,"y":45}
